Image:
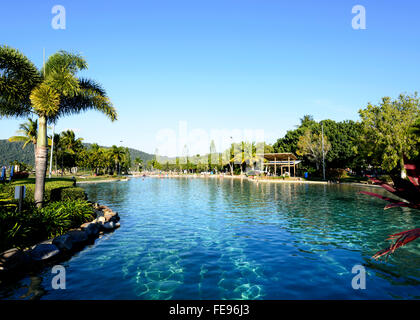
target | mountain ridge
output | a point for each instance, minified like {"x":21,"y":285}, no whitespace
{"x":10,"y":151}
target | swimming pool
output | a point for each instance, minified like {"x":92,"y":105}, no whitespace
{"x":211,"y":238}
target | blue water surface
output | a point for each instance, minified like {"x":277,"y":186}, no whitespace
{"x":220,"y":238}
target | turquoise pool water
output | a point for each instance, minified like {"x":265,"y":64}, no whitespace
{"x":231,"y":239}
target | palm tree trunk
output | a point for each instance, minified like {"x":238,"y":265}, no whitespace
{"x":403,"y":172}
{"x":41,"y":155}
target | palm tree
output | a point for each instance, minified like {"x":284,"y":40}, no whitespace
{"x":70,"y":145}
{"x":94,"y":154}
{"x":138,"y":162}
{"x":250,"y":154}
{"x":50,"y":93}
{"x":229,"y":155}
{"x":117,"y":154}
{"x":28,"y":131}
{"x":57,"y":148}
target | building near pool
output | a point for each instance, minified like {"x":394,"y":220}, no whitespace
{"x":285,"y":161}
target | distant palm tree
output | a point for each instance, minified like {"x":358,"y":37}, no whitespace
{"x":69,"y":142}
{"x":57,"y":148}
{"x":138,"y":162}
{"x":95,"y":156}
{"x":250,"y":154}
{"x":28,"y":131}
{"x":117,"y":154}
{"x":69,"y":145}
{"x":50,"y":93}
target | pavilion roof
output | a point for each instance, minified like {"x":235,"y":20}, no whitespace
{"x":278,"y":156}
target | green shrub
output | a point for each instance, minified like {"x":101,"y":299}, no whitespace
{"x":17,"y":228}
{"x":33,"y":225}
{"x":55,"y":190}
{"x":58,"y":217}
{"x":336,"y":173}
{"x":75,"y":193}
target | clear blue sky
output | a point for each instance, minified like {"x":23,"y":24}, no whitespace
{"x":222,"y":64}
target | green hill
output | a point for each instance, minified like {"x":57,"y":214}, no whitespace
{"x":10,"y":151}
{"x":134,"y":153}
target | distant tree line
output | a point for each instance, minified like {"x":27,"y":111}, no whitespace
{"x":386,"y":135}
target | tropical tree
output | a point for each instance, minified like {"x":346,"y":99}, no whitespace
{"x":310,"y":145}
{"x":289,"y":143}
{"x":117,"y":154}
{"x":50,"y":93}
{"x":246,"y":154}
{"x":70,"y":147}
{"x":28,"y":132}
{"x":387,"y":131}
{"x":70,"y":143}
{"x":57,"y":148}
{"x":415,"y":128}
{"x":230,"y":157}
{"x":344,"y":137}
{"x":138,"y":162}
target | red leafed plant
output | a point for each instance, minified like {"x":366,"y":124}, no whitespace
{"x":409,"y":190}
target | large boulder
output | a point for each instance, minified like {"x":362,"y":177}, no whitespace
{"x":92,"y":230}
{"x":85,"y":225}
{"x":109,"y":225}
{"x":111,"y":216}
{"x":78,"y":236}
{"x":64,"y":242}
{"x":70,"y":240}
{"x":99,"y":213}
{"x":43,"y":251}
{"x":13,"y":259}
{"x":101,"y":220}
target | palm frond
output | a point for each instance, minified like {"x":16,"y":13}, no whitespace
{"x":18,"y":76}
{"x":63,"y":81}
{"x":63,"y":60}
{"x":91,"y":96}
{"x":18,"y":139}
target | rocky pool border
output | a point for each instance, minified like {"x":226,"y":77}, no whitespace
{"x":24,"y":260}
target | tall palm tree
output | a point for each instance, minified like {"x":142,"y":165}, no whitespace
{"x":50,"y":93}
